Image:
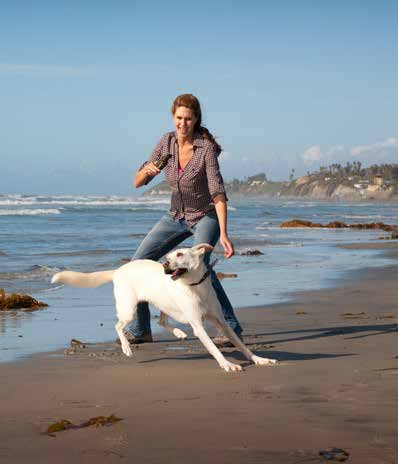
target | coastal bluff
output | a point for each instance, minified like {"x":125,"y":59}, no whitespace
{"x":331,"y":183}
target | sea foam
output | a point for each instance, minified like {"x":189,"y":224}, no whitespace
{"x":28,"y":212}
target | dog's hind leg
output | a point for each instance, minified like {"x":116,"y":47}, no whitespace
{"x":208,"y":343}
{"x":119,"y":327}
{"x":163,"y":322}
{"x":222,"y":324}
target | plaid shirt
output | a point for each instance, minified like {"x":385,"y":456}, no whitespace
{"x":194,"y":188}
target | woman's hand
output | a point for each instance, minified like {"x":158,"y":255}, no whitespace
{"x":221,"y":211}
{"x":151,"y":170}
{"x":227,"y":245}
{"x":147,"y":173}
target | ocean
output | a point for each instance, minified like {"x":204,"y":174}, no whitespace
{"x":41,"y":235}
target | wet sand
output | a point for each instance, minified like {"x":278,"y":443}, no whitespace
{"x":336,"y":386}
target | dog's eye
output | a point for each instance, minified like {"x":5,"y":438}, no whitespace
{"x":179,"y":255}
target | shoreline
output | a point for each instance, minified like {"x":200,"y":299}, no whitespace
{"x":389,"y":249}
{"x":335,"y":386}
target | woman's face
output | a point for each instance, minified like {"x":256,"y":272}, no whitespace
{"x":184,"y":121}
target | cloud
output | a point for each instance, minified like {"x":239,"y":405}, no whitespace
{"x":385,"y":151}
{"x":336,"y":150}
{"x":376,"y":148}
{"x":226,"y":155}
{"x":43,"y":70}
{"x":312,"y":154}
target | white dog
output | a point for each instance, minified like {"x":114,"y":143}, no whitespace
{"x":181,"y":288}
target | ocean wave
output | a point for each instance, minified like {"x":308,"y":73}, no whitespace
{"x":142,"y":209}
{"x":34,"y":272}
{"x":248,"y":242}
{"x":265,"y":213}
{"x":21,"y":200}
{"x":41,"y":270}
{"x":263,"y":226}
{"x":77,"y":253}
{"x":289,"y":204}
{"x":301,"y":229}
{"x":283,"y":245}
{"x":242,"y":248}
{"x":28,"y":212}
{"x":52,"y":289}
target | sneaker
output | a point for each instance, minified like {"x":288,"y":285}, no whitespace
{"x":224,"y":342}
{"x":135,"y":339}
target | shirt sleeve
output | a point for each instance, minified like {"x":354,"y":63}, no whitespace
{"x":155,"y":155}
{"x":214,"y":178}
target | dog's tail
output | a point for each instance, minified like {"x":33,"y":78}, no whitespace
{"x":82,"y":279}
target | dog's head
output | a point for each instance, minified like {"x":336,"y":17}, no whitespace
{"x":185,"y":260}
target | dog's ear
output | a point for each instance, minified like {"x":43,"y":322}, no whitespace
{"x":202,"y":248}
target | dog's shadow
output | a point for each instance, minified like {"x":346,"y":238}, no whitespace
{"x":280,"y":356}
{"x":350,"y":332}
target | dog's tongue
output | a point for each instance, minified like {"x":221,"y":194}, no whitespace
{"x":177,"y":273}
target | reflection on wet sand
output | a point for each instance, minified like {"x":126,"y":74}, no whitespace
{"x":12,"y":320}
{"x":10,"y":323}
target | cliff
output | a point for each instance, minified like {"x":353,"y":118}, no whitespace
{"x":365,"y":185}
{"x":316,"y":187}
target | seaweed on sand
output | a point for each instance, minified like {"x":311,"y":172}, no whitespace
{"x":64,"y":424}
{"x":17,"y":301}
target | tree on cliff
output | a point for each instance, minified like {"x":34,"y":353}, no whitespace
{"x":258,"y":177}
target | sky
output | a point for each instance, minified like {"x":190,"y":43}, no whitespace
{"x":86,"y":87}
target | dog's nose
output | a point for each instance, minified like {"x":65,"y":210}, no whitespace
{"x":166,"y":268}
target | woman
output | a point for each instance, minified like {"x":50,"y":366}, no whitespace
{"x":198,"y":203}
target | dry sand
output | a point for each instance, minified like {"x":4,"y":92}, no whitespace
{"x":336,"y":385}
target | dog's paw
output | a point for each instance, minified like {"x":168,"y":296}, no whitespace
{"x":230,"y":367}
{"x":127,"y":350}
{"x":179,"y":333}
{"x":263,"y":361}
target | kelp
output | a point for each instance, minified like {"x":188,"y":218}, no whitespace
{"x":64,"y":424}
{"x":334,"y":454}
{"x":342,"y":225}
{"x":252,"y":253}
{"x":223,"y":275}
{"x":18,"y":301}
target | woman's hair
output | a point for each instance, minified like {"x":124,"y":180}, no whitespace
{"x":190,"y":101}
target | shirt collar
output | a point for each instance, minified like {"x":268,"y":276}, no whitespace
{"x":197,"y":139}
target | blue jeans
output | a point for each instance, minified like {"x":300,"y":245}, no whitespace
{"x":164,"y":236}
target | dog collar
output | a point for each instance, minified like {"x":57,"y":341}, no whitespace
{"x":206,"y":274}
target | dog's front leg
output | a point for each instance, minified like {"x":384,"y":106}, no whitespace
{"x":222,"y":324}
{"x":201,"y":333}
{"x":241,"y":346}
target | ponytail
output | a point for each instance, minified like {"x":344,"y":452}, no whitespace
{"x":206,"y":134}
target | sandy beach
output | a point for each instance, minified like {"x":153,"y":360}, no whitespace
{"x":335,"y":386}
